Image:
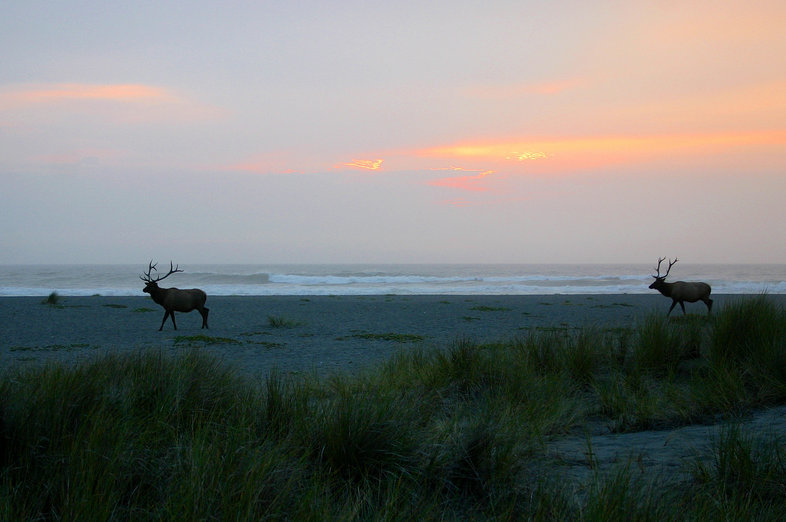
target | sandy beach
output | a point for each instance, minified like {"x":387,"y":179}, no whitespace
{"x":318,"y":333}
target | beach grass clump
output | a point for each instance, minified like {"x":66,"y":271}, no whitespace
{"x":277,"y":321}
{"x":53,"y":299}
{"x":360,"y":440}
{"x":623,"y":494}
{"x":745,"y":473}
{"x":662,"y":344}
{"x":126,"y":437}
{"x":749,"y":339}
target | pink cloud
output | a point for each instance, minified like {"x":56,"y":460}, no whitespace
{"x":375,"y":164}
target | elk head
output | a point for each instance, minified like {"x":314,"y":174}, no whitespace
{"x":660,"y":280}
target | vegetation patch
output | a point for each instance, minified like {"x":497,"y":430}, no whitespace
{"x":276,"y":321}
{"x":204,"y":340}
{"x":484,"y":308}
{"x":142,"y":310}
{"x":53,"y":300}
{"x":251,"y":334}
{"x":266,"y":344}
{"x":390,"y":336}
{"x":113,"y":305}
{"x":52,"y":347}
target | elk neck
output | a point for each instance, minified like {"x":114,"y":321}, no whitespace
{"x":156,"y":292}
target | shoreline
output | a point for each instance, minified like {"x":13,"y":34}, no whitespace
{"x":322,"y":334}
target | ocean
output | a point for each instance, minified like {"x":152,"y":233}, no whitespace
{"x":123,"y":280}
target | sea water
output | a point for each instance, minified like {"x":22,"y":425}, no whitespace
{"x":123,"y":280}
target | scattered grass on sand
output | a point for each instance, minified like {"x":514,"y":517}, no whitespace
{"x":485,"y":308}
{"x":455,"y":433}
{"x":204,"y":340}
{"x":276,"y":321}
{"x":389,"y":336}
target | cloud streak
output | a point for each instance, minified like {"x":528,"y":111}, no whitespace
{"x":375,"y":164}
{"x":38,"y":94}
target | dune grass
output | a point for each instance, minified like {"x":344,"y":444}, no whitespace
{"x":53,"y":299}
{"x":453,"y":433}
{"x":277,"y":321}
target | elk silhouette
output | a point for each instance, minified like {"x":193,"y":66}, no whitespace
{"x":173,"y":299}
{"x":680,"y":291}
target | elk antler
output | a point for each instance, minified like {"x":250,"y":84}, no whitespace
{"x":671,"y":263}
{"x":149,"y":279}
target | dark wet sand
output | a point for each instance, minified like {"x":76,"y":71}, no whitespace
{"x":321,"y":333}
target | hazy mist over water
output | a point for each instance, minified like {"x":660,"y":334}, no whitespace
{"x":356,"y":279}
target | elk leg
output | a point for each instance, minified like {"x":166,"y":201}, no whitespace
{"x":204,"y":312}
{"x":673,"y":304}
{"x":172,"y":315}
{"x":166,"y":314}
{"x":708,"y":302}
{"x":682,"y":305}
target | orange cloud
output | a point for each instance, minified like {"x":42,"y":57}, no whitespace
{"x":72,"y":91}
{"x":39,"y":105}
{"x":584,"y":152}
{"x":375,"y":164}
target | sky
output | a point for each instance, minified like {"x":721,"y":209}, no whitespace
{"x":392,"y":132}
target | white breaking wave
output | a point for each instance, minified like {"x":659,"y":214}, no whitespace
{"x":121,"y":280}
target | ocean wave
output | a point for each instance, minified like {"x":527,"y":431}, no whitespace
{"x":113,"y":280}
{"x":414,"y":279}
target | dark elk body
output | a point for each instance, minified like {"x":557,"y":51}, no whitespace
{"x":173,"y":299}
{"x":680,"y":291}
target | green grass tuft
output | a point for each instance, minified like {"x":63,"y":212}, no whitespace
{"x":283,"y":322}
{"x":53,"y":299}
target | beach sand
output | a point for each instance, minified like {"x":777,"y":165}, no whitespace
{"x":319,"y":333}
{"x":348,"y":333}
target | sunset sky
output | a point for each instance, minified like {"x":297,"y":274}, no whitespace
{"x":389,"y":132}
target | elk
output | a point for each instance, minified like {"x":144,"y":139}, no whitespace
{"x":173,"y":299}
{"x":681,"y":291}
